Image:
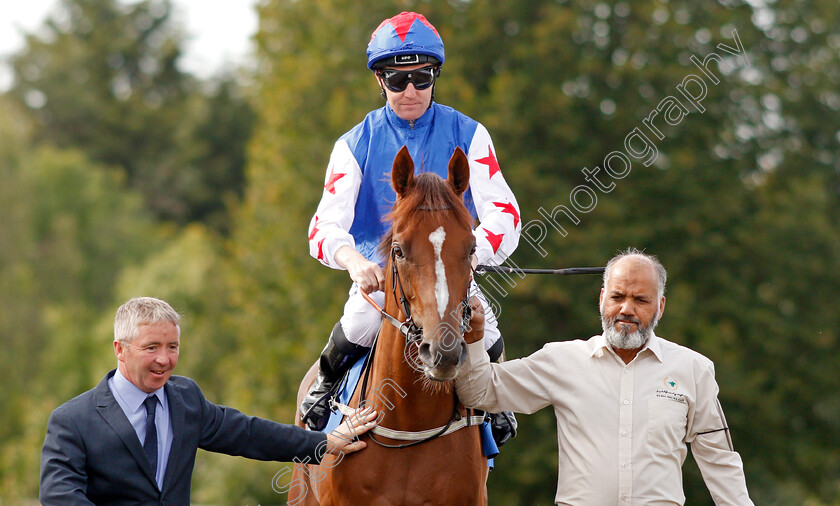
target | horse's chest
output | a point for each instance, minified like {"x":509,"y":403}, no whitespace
{"x":447,"y":474}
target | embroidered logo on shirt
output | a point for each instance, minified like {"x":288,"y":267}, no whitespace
{"x":670,"y":390}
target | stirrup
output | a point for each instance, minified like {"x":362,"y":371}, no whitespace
{"x":311,"y":412}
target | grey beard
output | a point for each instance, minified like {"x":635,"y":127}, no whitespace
{"x":624,"y":340}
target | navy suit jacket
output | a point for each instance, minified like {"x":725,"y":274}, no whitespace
{"x":92,"y":454}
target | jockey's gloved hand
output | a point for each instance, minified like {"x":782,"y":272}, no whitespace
{"x":503,"y":426}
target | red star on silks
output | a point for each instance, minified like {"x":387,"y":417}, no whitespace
{"x":315,"y":229}
{"x":321,"y":250}
{"x":330,"y":186}
{"x":495,"y":240}
{"x":402,"y":24}
{"x":490,"y":161}
{"x":506,"y":207}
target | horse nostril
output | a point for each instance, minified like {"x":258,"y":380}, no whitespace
{"x":425,"y":353}
{"x":462,"y":356}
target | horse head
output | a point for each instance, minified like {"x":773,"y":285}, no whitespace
{"x":429,"y":249}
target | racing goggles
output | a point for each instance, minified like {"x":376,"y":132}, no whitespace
{"x":397,"y":80}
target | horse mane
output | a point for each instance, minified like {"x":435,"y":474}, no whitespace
{"x":430,"y":194}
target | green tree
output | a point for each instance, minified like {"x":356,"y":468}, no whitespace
{"x":69,"y":228}
{"x":103,"y":77}
{"x":220,"y":135}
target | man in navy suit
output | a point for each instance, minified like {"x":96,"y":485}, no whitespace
{"x":133,"y":438}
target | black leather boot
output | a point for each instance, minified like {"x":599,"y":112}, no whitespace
{"x":503,"y":425}
{"x":338,"y":356}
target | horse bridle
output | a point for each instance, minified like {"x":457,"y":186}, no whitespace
{"x":412,"y":334}
{"x":408,"y":328}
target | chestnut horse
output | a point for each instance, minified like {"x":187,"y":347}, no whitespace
{"x":426,"y":448}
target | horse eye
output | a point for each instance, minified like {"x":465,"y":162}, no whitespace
{"x":398,"y":252}
{"x":472,"y":251}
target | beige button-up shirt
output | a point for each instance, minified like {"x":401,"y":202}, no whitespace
{"x":622,"y":428}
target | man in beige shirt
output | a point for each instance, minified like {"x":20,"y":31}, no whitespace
{"x":626,"y":402}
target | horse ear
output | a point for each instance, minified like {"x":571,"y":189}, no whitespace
{"x":459,"y":172}
{"x":402,"y":174}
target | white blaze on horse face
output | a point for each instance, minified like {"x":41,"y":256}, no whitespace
{"x":441,"y":291}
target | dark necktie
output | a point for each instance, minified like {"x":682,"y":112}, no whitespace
{"x":150,"y":443}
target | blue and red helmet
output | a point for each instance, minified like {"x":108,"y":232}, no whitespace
{"x":404,"y":39}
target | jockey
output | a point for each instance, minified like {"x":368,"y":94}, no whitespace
{"x":405,"y":54}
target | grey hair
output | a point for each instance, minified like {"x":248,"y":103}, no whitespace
{"x":661,"y":275}
{"x":142,"y":311}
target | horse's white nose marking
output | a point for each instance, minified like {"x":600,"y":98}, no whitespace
{"x":441,"y":292}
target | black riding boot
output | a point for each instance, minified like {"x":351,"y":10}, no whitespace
{"x":503,"y":425}
{"x":338,"y":356}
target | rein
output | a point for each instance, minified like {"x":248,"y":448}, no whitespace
{"x":569,"y":271}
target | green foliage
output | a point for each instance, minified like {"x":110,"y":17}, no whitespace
{"x":69,"y":228}
{"x":219,"y":136}
{"x":103,"y":77}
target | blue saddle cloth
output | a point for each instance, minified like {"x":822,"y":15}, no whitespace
{"x":345,"y":392}
{"x":348,"y":386}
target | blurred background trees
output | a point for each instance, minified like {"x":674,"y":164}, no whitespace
{"x":124,"y":177}
{"x":102,"y":77}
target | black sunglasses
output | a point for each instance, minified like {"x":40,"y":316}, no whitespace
{"x":397,"y":80}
